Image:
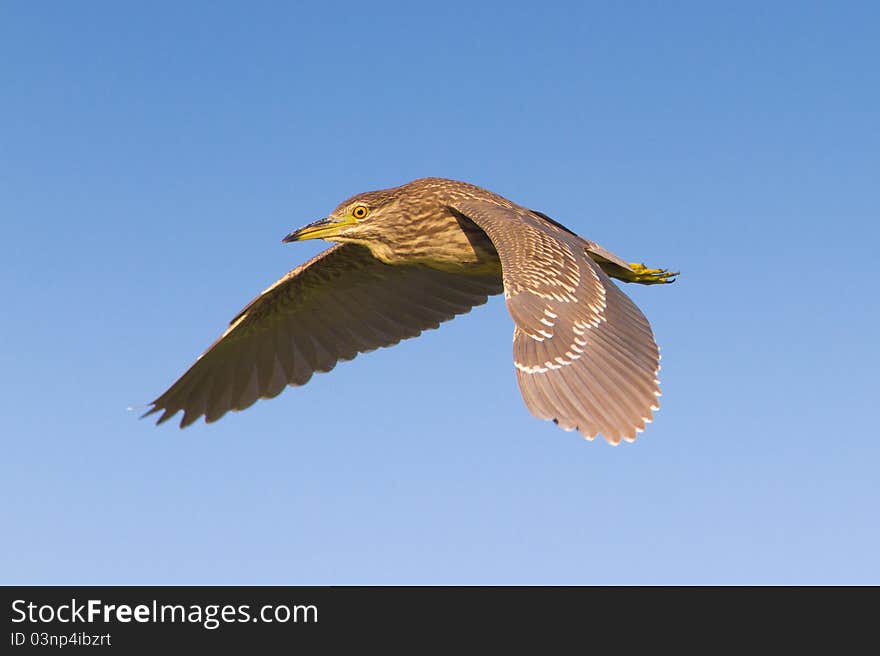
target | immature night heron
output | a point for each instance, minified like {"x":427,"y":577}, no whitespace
{"x":416,"y":255}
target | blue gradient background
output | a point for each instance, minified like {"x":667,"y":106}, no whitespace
{"x":151,"y":158}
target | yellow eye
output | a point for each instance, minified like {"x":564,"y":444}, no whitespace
{"x":359,"y":212}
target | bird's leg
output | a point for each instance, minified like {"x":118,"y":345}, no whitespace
{"x":620,"y":269}
{"x":645,"y":276}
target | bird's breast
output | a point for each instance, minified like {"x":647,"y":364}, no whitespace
{"x":445,"y":242}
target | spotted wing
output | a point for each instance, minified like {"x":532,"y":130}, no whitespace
{"x":585,"y":355}
{"x":340,"y":303}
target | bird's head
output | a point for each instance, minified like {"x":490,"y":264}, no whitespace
{"x":358,"y":219}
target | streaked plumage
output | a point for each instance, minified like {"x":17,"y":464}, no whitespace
{"x":423,"y":253}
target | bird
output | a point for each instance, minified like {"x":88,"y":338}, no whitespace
{"x":408,"y":258}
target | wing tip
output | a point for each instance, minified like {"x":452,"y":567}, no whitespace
{"x":155,"y":407}
{"x":169,"y":413}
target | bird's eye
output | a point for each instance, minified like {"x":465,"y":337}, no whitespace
{"x":359,"y":212}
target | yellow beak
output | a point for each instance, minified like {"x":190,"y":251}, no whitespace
{"x":320,"y":229}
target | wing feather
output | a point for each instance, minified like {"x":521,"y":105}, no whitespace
{"x":585,"y":355}
{"x":338,"y":304}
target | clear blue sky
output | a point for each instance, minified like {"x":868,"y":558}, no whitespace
{"x":151,"y":158}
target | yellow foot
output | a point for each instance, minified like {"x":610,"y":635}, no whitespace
{"x":645,"y":276}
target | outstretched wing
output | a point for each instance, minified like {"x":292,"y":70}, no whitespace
{"x":338,"y":304}
{"x":585,"y":355}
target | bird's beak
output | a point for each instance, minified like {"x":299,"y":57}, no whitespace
{"x":321,"y":229}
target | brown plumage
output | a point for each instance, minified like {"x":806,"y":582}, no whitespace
{"x":416,"y":255}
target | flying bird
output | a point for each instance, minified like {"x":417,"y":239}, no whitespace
{"x":407,"y":259}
